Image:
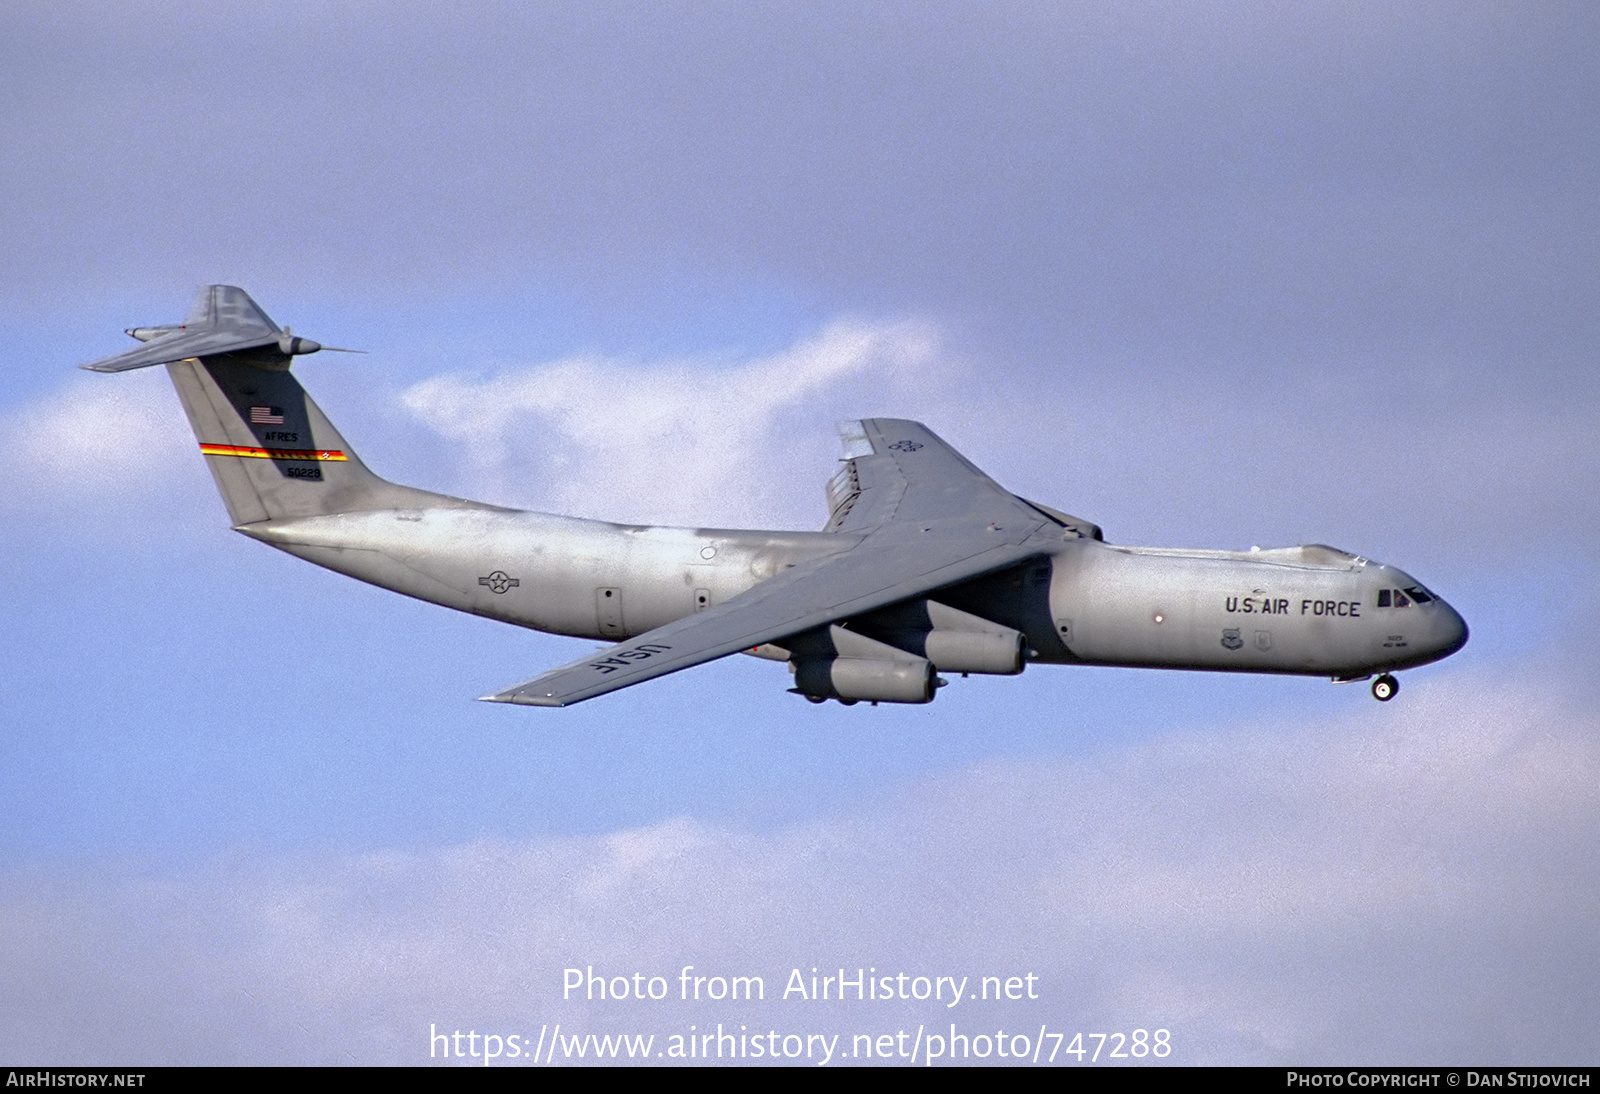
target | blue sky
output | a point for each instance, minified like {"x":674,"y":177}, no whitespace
{"x":1206,"y":274}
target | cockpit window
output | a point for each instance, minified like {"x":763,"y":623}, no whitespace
{"x":1394,"y":598}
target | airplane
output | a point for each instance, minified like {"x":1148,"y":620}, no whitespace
{"x":925,"y":565}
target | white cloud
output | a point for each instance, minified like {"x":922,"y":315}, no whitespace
{"x":1416,"y":884}
{"x":698,"y":440}
{"x":94,"y":439}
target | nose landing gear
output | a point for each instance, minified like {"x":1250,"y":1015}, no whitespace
{"x":1384,"y":688}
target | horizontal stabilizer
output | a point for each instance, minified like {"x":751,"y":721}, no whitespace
{"x":223,"y":320}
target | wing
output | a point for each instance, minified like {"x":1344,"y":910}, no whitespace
{"x":935,"y":520}
{"x":223,"y":320}
{"x":899,"y":470}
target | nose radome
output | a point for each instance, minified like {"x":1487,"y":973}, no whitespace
{"x":1451,"y":630}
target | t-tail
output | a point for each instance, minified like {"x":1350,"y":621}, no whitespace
{"x":274,"y":454}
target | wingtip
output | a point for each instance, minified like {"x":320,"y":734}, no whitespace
{"x":521,"y":699}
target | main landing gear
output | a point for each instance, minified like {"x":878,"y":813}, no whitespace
{"x":1384,"y":688}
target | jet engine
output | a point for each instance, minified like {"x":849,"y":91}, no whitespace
{"x":851,"y":679}
{"x":996,"y":653}
{"x":835,"y":663}
{"x":954,"y":640}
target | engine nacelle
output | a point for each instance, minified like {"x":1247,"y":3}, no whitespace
{"x":954,"y":640}
{"x":998,"y":652}
{"x":855,"y":678}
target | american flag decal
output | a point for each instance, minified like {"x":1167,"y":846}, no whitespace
{"x":266,"y":415}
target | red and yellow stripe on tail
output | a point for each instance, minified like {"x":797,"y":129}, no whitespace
{"x":306,"y":454}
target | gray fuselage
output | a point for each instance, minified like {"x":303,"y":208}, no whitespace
{"x":1307,"y":610}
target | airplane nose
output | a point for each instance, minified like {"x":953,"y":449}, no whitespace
{"x":1450,"y":630}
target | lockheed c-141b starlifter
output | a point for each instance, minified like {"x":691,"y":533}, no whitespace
{"x":926,"y":565}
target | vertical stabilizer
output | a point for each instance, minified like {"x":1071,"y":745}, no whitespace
{"x":272,"y":451}
{"x":274,"y":454}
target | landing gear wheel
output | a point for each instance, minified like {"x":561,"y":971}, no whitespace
{"x":1384,"y":688}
